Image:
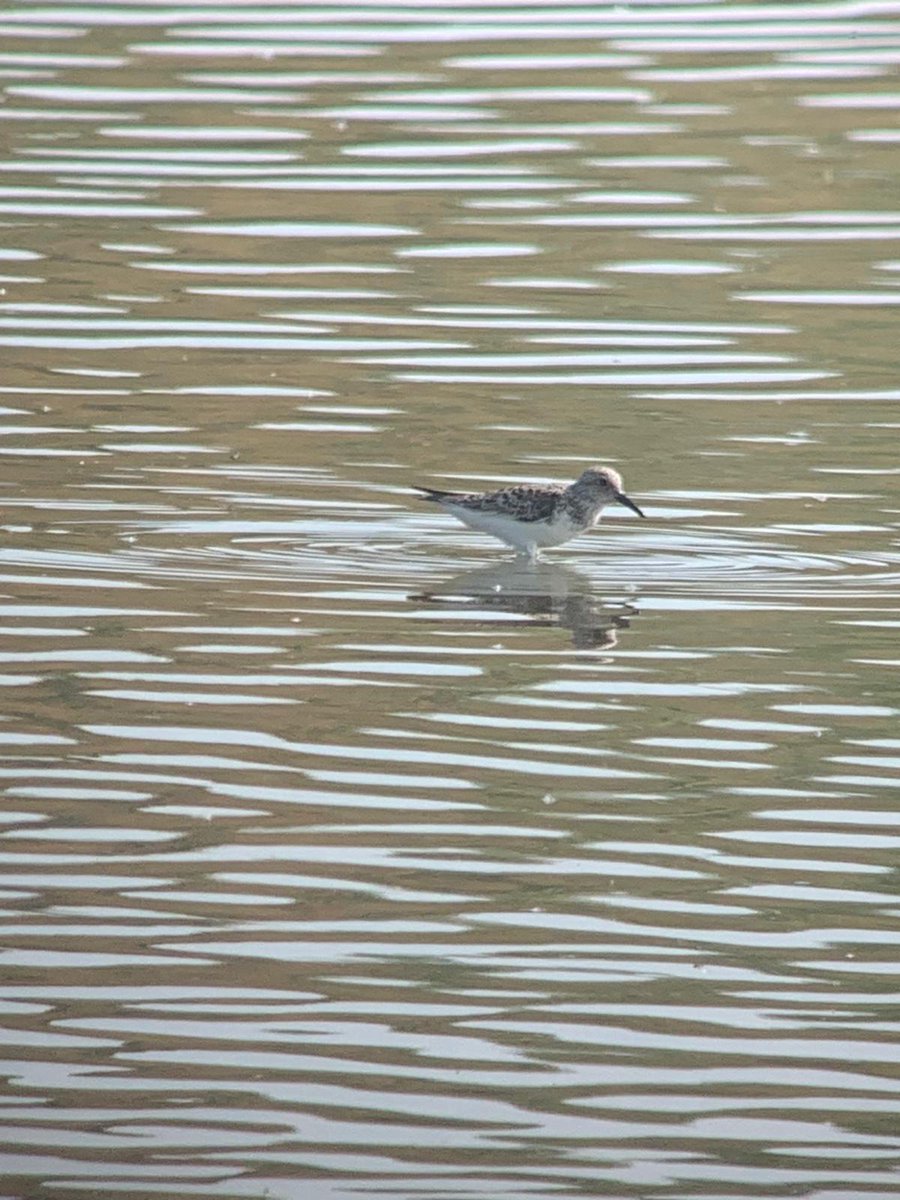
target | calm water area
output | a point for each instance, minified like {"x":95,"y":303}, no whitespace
{"x":342,"y":855}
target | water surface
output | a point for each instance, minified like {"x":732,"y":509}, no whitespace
{"x":341,"y":854}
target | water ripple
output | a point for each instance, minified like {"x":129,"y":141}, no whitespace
{"x":332,"y":832}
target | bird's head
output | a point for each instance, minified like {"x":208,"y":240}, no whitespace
{"x":605,"y":485}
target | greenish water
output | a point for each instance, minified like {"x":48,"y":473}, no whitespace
{"x":342,"y":855}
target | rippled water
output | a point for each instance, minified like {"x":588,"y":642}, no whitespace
{"x":343,"y":855}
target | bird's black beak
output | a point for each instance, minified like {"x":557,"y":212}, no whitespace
{"x":623,"y":499}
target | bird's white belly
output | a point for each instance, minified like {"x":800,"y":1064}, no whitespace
{"x":523,"y":535}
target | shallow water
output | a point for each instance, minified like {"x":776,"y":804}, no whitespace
{"x":343,"y":855}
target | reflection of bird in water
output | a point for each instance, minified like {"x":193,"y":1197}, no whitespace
{"x":532,"y":515}
{"x":544,"y":595}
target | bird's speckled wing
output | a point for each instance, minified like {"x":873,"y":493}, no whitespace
{"x":524,"y":502}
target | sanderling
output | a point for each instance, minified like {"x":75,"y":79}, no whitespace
{"x":530,"y":516}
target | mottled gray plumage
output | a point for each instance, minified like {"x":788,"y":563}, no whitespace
{"x":531,"y":515}
{"x":524,"y":501}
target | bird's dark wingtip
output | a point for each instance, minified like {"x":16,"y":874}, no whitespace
{"x":427,"y":493}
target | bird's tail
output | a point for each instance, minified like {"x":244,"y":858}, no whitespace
{"x":434,"y":494}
